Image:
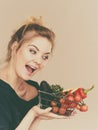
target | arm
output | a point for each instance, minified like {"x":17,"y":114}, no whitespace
{"x":35,"y":124}
{"x":27,"y":120}
{"x":35,"y":115}
{"x":44,"y":114}
{"x":31,"y":120}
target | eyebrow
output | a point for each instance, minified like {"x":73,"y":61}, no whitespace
{"x":34,"y":47}
{"x":38,"y":49}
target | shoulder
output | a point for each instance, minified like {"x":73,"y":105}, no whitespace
{"x":5,"y":88}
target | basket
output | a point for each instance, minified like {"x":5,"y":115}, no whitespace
{"x":45,"y":100}
{"x":63,"y":102}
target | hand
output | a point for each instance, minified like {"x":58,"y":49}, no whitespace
{"x":46,"y":114}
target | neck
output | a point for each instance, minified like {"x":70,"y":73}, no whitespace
{"x":8,"y":74}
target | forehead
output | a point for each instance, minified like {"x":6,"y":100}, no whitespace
{"x":41,"y":43}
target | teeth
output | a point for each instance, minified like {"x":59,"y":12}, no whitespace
{"x":33,"y":67}
{"x":30,"y":68}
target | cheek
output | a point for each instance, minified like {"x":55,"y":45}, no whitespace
{"x":44,"y":64}
{"x":20,"y":60}
{"x":22,"y":55}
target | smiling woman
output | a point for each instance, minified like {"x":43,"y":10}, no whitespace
{"x":28,"y":52}
{"x":32,"y":56}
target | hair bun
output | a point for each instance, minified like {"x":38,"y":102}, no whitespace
{"x":34,"y":20}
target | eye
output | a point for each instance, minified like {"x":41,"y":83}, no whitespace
{"x":32,"y":51}
{"x":46,"y":57}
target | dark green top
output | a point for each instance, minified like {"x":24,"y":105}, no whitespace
{"x":12,"y":107}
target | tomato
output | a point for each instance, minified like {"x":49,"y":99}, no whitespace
{"x":55,"y":109}
{"x":63,"y":93}
{"x":53,"y":103}
{"x":78,"y":107}
{"x":72,"y":105}
{"x":63,"y":105}
{"x":62,"y":110}
{"x":62,"y":100}
{"x":84,"y":108}
{"x":70,"y":98}
{"x":70,"y":92}
{"x":82,"y":93}
{"x":77,"y":98}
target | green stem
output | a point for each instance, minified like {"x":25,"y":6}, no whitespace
{"x":87,"y":90}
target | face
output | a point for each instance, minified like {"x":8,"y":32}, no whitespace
{"x":31,"y":57}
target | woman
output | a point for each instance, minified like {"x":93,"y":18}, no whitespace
{"x":28,"y":52}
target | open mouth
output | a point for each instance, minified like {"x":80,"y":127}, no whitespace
{"x":30,"y":69}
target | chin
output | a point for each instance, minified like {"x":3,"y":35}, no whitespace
{"x":28,"y":76}
{"x":25,"y":77}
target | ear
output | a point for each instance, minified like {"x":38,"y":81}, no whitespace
{"x":14,"y":46}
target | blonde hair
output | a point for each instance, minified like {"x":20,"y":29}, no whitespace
{"x":36,"y":28}
{"x":36,"y":20}
{"x":33,"y":20}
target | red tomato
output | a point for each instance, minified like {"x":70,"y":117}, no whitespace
{"x":72,"y":105}
{"x":78,"y":107}
{"x":70,"y":92}
{"x":77,"y":98}
{"x":84,"y":108}
{"x":63,"y":93}
{"x":63,"y":105}
{"x":55,"y":109}
{"x":62,"y":110}
{"x":53,"y":103}
{"x":62,"y":100}
{"x":70,"y":98}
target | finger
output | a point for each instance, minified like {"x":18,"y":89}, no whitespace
{"x":55,"y":116}
{"x":41,"y":111}
{"x":45,"y":118}
{"x":47,"y":110}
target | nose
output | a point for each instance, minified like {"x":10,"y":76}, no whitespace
{"x":38,"y":60}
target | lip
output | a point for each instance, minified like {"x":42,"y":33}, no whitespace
{"x":30,"y":69}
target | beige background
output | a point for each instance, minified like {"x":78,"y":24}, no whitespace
{"x":75,"y":61}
